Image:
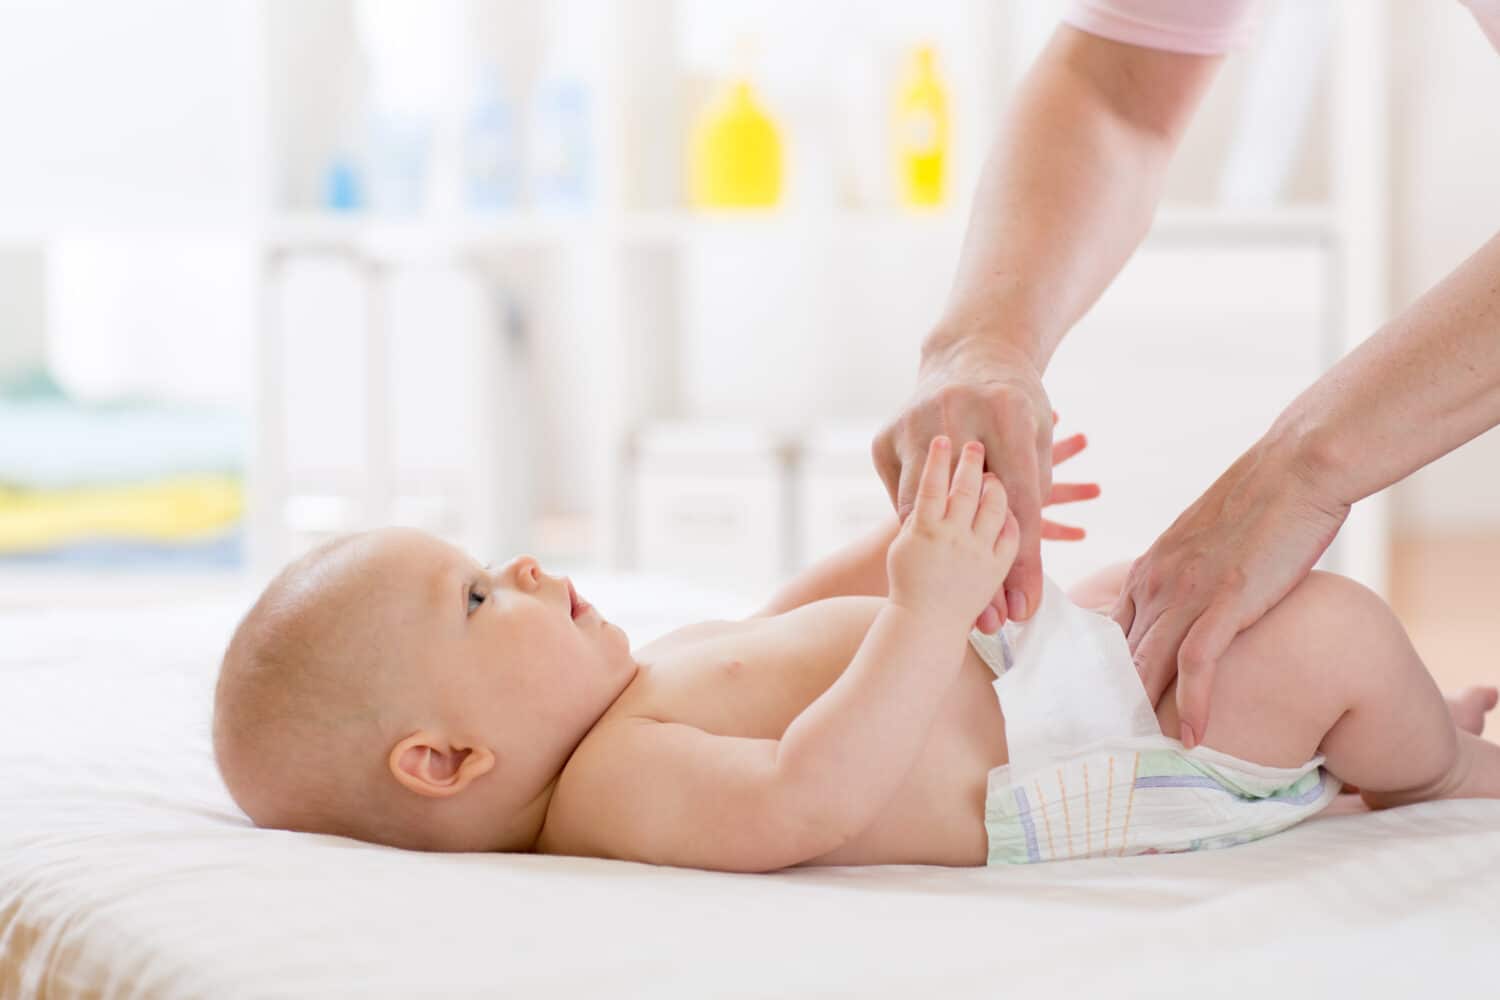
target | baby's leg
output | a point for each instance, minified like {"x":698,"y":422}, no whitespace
{"x":1098,"y":591}
{"x":1330,"y":670}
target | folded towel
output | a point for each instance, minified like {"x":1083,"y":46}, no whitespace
{"x":220,"y":552}
{"x":55,"y":443}
{"x":183,"y":509}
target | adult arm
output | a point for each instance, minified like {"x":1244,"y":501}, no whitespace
{"x":1066,"y":195}
{"x":1418,"y":388}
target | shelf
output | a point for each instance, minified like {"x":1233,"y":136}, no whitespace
{"x":420,"y":237}
{"x":1297,"y":224}
{"x":423,"y":237}
{"x":1290,"y":223}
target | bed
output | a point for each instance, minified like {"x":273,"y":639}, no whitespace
{"x":126,"y":871}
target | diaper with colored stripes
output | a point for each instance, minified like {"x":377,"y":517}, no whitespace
{"x":1090,"y":773}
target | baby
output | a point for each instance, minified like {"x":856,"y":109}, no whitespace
{"x":389,"y":688}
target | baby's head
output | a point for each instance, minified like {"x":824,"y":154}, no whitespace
{"x":388,"y":687}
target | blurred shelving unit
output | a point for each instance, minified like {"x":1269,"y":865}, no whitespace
{"x":638,"y":311}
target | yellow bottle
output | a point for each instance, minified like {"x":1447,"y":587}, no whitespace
{"x":734,"y":157}
{"x":921,"y":131}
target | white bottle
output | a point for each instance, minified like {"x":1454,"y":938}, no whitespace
{"x":560,"y":161}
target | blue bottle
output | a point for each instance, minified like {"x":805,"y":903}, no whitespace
{"x":561,"y":138}
{"x":561,"y":149}
{"x":341,"y":186}
{"x":492,"y":168}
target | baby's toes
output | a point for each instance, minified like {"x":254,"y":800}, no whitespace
{"x":1469,"y":705}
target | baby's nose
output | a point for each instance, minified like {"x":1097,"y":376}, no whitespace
{"x":524,"y":566}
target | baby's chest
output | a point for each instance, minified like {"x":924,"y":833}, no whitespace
{"x":743,"y":694}
{"x":743,"y":688}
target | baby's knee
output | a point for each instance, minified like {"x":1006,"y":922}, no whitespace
{"x":1362,"y":646}
{"x":1327,"y":646}
{"x":1369,"y":666}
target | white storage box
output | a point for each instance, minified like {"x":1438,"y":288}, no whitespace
{"x":711,"y":504}
{"x":393,"y":398}
{"x":840,"y":497}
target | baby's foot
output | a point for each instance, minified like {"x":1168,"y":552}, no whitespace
{"x":1468,"y":705}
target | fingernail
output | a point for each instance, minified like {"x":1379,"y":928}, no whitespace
{"x":1015,"y":603}
{"x":1189,"y":738}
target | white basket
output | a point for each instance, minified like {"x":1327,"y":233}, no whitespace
{"x":839,"y":497}
{"x":711,"y":505}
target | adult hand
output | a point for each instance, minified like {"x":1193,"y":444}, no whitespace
{"x":1226,"y":561}
{"x":977,"y":390}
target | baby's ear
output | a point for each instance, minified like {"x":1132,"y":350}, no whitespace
{"x":432,"y":766}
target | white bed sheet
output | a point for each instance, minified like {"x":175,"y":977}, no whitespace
{"x":126,"y":871}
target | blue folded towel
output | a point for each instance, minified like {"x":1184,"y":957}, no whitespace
{"x":48,"y":441}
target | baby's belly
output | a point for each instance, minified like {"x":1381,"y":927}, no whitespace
{"x":936,"y":817}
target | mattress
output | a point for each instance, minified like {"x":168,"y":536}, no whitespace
{"x":126,"y":871}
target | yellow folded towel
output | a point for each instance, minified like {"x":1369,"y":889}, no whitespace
{"x":182,"y":509}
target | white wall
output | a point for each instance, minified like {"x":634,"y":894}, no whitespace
{"x":125,"y":114}
{"x":1446,"y":203}
{"x":162,"y":318}
{"x":129,"y":175}
{"x":23,"y":312}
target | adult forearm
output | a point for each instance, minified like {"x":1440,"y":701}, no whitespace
{"x":1424,"y":384}
{"x":1068,"y":189}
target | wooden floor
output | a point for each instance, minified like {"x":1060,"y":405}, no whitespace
{"x":1447,"y":592}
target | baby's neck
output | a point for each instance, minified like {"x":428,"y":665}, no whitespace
{"x":525,"y":828}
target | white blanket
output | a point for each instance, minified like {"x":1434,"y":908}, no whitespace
{"x":125,"y":870}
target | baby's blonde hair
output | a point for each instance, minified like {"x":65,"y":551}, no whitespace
{"x":298,"y":730}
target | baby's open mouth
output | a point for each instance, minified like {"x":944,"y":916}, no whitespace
{"x":579,"y":606}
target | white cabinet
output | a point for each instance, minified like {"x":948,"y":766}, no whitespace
{"x":839,"y":498}
{"x":400,"y":399}
{"x":711,"y":505}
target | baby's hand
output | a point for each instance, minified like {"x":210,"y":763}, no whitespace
{"x":958,"y":543}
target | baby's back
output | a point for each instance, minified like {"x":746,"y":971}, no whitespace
{"x":752,"y":679}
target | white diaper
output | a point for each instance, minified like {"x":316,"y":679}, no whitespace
{"x":1090,"y":773}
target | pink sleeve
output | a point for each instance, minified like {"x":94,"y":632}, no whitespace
{"x":1201,"y":27}
{"x":1487,"y":13}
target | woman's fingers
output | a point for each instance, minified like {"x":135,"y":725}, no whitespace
{"x":1067,"y":448}
{"x":1071,"y":493}
{"x":1009,"y":542}
{"x":1123,"y":612}
{"x":1197,"y":663}
{"x":1054,"y":532}
{"x":1165,"y":633}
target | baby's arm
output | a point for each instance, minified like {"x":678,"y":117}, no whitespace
{"x":857,"y":568}
{"x":671,"y":794}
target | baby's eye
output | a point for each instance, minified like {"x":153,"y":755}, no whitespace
{"x":476,"y":598}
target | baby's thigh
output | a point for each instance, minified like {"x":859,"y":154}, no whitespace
{"x":1098,"y":590}
{"x":1286,"y":680}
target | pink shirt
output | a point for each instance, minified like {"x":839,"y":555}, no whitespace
{"x":1203,"y":27}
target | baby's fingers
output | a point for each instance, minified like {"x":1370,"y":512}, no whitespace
{"x":963,"y":497}
{"x":992,"y":508}
{"x":1009,"y":542}
{"x":932,"y":489}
